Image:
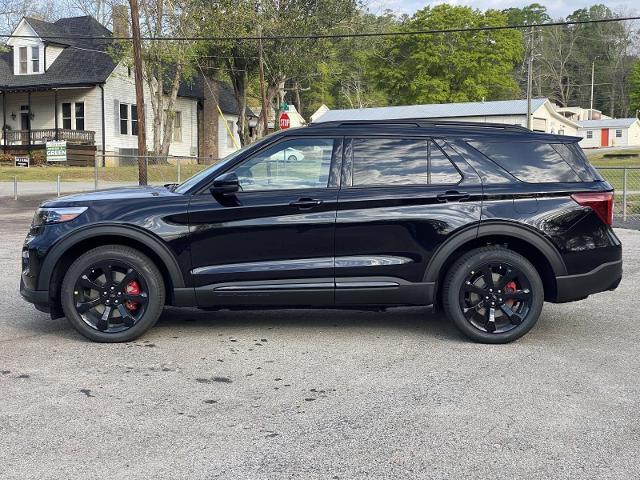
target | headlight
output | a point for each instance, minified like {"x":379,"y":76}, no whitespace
{"x":46,"y":216}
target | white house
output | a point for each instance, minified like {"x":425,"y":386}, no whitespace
{"x":545,"y":118}
{"x":611,"y":132}
{"x":56,"y":87}
{"x":578,"y":113}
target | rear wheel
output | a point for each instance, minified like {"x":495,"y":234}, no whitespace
{"x":493,"y":295}
{"x":112,"y":294}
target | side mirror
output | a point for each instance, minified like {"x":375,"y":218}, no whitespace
{"x":225,"y":184}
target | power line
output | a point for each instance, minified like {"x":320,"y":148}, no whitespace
{"x":320,"y":36}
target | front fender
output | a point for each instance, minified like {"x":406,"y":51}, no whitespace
{"x":131,"y":232}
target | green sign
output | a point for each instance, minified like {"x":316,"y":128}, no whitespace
{"x":57,"y":151}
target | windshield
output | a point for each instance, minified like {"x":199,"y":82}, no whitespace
{"x":198,"y":177}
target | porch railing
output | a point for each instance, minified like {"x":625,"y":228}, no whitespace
{"x":26,"y":137}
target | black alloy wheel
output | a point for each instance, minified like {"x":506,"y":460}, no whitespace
{"x":111,"y":296}
{"x":493,"y":294}
{"x":495,"y":298}
{"x":112,"y":293}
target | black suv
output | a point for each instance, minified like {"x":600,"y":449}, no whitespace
{"x":486,"y":221}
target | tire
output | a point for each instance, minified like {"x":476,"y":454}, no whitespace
{"x":134,"y":297}
{"x":516,"y":297}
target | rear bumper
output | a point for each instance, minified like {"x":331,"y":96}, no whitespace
{"x":575,"y":287}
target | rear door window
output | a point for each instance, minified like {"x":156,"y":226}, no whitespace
{"x":400,"y":161}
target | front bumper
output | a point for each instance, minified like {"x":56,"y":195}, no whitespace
{"x":40,"y":298}
{"x":576,"y":287}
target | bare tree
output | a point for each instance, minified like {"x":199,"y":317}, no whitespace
{"x":11,"y":11}
{"x":557,"y":50}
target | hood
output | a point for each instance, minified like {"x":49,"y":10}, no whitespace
{"x":110,"y":195}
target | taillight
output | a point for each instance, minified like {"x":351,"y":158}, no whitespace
{"x":599,"y":202}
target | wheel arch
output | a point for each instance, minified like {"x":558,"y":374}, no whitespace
{"x":69,"y":248}
{"x":519,"y":238}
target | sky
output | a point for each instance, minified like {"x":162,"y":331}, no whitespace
{"x":556,"y":8}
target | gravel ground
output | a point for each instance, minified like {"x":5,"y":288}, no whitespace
{"x":320,"y":394}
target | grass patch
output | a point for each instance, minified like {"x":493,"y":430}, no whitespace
{"x":598,"y":159}
{"x":616,"y":178}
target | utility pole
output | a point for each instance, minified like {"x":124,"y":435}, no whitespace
{"x":593,"y":71}
{"x":263,"y":94}
{"x":530,"y":81}
{"x":137,"y":67}
{"x":529,"y":92}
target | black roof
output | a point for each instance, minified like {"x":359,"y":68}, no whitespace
{"x":87,"y":62}
{"x":431,"y":127}
{"x":196,"y":87}
{"x":82,"y":62}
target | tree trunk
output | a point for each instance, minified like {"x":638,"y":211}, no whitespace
{"x":171,"y":113}
{"x":239,"y":81}
{"x":138,"y":69}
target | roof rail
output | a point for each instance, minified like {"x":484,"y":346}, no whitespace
{"x":421,"y":122}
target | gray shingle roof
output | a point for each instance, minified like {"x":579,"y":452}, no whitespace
{"x":87,"y":62}
{"x":196,"y":86}
{"x":82,"y":62}
{"x":608,"y":122}
{"x":443,"y":110}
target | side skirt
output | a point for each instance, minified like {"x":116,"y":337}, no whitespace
{"x":309,"y":292}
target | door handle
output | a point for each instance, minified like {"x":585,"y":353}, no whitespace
{"x":452,"y":196}
{"x":306,"y":203}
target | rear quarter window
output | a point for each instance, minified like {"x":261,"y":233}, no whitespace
{"x":534,"y":162}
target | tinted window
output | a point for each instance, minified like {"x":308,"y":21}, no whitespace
{"x":441,"y":170}
{"x":574,"y":156}
{"x":299,"y":163}
{"x":532,"y":162}
{"x":383,"y":161}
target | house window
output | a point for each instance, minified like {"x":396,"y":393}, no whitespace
{"x":124,"y":119}
{"x":79,"y":115}
{"x":177,"y":127}
{"x":589,"y":133}
{"x":22,"y":59}
{"x":561,"y":131}
{"x":66,"y":116}
{"x":618,"y":133}
{"x":230,"y":125}
{"x":134,"y":120}
{"x":35,"y":59}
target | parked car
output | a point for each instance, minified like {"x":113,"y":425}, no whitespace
{"x":484,"y":221}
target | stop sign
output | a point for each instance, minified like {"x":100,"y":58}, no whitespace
{"x":284,"y":121}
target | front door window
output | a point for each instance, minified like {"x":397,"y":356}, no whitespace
{"x":292,"y":164}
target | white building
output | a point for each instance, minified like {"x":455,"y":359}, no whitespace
{"x":56,"y":87}
{"x":611,"y":132}
{"x":545,"y":118}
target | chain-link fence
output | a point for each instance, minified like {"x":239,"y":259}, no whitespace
{"x":109,"y":171}
{"x":626,"y":182}
{"x":99,"y":172}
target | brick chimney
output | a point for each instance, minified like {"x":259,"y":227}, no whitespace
{"x":120,"y":20}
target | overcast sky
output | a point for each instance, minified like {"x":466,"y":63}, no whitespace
{"x":556,"y":8}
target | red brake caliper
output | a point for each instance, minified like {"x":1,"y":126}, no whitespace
{"x":133,"y":288}
{"x":509,"y":288}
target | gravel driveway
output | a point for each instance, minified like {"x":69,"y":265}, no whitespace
{"x":320,"y":394}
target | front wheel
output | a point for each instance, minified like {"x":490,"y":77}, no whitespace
{"x":112,"y":294}
{"x":493,"y":295}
